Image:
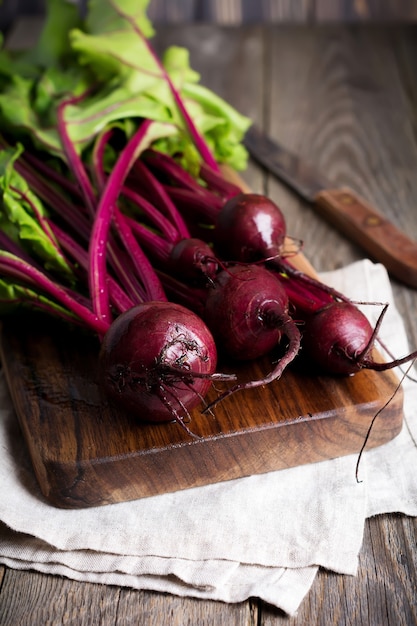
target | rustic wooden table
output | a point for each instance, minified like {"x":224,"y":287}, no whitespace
{"x":346,"y":98}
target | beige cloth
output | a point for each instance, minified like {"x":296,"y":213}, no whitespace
{"x":262,"y":536}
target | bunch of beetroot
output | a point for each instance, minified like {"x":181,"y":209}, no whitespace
{"x":167,"y":268}
{"x":115,"y":216}
{"x":248,"y":235}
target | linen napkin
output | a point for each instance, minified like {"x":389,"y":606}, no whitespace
{"x":263,"y":536}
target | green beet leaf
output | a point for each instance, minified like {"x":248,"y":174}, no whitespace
{"x":23,"y":217}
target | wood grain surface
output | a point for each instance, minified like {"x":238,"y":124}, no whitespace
{"x":278,"y":11}
{"x":346,"y":98}
{"x":237,"y":12}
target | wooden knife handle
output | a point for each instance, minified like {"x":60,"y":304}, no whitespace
{"x":361,"y":223}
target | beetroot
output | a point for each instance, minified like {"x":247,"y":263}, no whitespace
{"x":157,"y":361}
{"x":250,"y":227}
{"x":336,"y":336}
{"x":247,"y":312}
{"x":193,"y":260}
{"x":246,"y":309}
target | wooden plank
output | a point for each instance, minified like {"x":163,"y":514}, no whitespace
{"x":55,"y":600}
{"x":242,"y":12}
{"x":238,"y":12}
{"x":162,"y":11}
{"x":383,"y":591}
{"x":350,"y":118}
{"x":365,"y":11}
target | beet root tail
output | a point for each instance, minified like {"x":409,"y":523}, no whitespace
{"x":290,"y":330}
{"x":366,"y":361}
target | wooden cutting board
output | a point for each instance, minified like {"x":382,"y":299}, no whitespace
{"x":85,"y":453}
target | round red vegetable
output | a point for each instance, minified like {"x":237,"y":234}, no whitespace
{"x":250,"y":227}
{"x":340,"y":340}
{"x":246,"y":310}
{"x":157,"y":361}
{"x":193,"y":259}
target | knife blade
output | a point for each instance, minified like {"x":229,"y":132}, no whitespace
{"x":342,"y":207}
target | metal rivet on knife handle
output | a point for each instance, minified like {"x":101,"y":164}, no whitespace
{"x":356,"y":219}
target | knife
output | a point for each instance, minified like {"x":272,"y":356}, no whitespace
{"x":341,"y":206}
